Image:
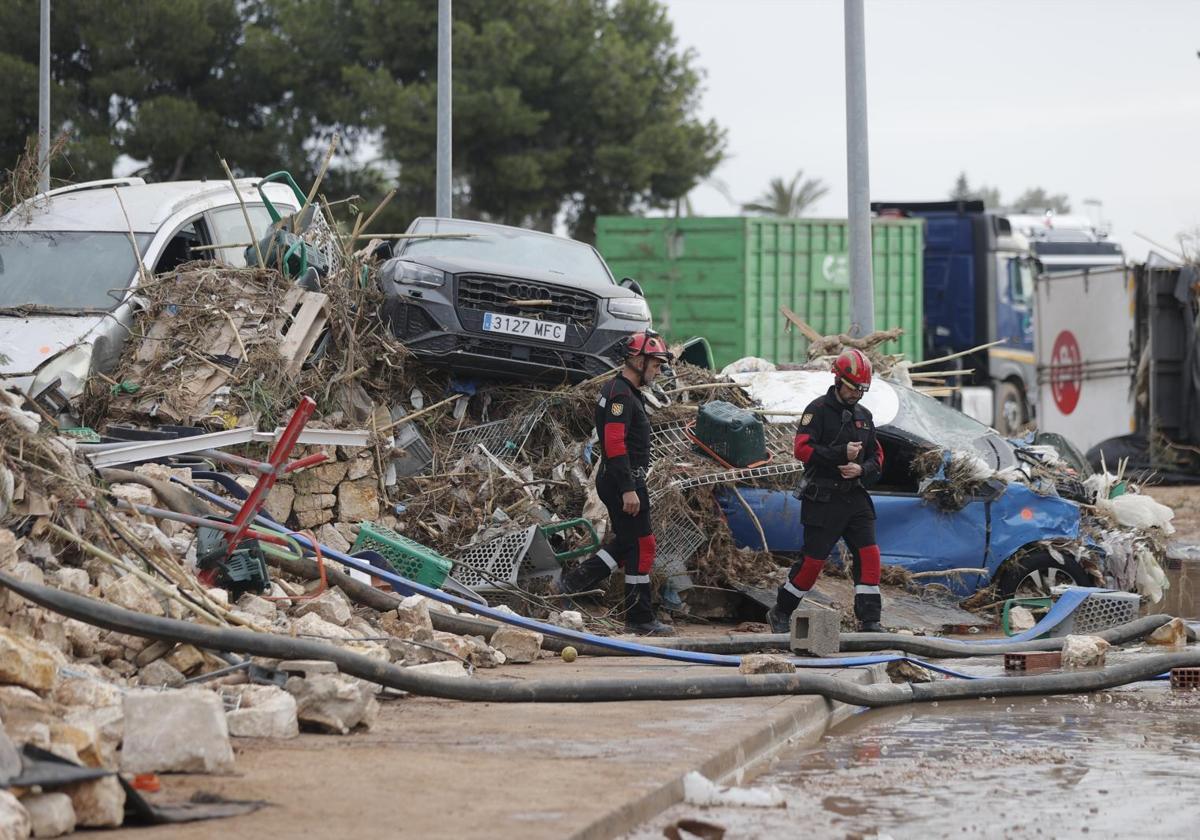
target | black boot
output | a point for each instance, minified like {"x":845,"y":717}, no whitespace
{"x":870,"y":627}
{"x":653,"y":627}
{"x":780,"y":621}
{"x":639,"y":612}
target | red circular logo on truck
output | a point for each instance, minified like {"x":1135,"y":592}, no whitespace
{"x":1066,"y":372}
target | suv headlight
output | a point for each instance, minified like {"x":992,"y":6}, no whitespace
{"x":633,"y":309}
{"x":414,"y":274}
{"x":71,"y":368}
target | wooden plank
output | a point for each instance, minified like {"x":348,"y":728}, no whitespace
{"x":300,"y":336}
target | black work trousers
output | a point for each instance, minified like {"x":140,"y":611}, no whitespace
{"x":630,"y":545}
{"x":849,"y":516}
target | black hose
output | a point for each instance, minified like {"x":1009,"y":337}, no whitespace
{"x":707,"y":686}
{"x":927,"y":647}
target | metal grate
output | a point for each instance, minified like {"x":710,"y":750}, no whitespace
{"x":503,"y":438}
{"x":678,"y":541}
{"x":731,"y":477}
{"x":671,"y":441}
{"x":1100,"y":611}
{"x":497,"y":294}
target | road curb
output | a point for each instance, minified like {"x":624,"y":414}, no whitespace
{"x":796,"y":721}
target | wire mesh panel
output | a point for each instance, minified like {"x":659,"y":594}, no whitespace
{"x":679,"y":538}
{"x":503,"y":438}
{"x":731,"y":477}
{"x":670,"y":440}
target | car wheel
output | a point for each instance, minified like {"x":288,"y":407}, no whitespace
{"x":1011,"y":413}
{"x":1035,"y":575}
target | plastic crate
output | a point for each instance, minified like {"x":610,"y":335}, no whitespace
{"x":1100,"y":611}
{"x":733,"y":434}
{"x":408,"y":557}
{"x":520,"y":559}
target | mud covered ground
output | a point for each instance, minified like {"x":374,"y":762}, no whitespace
{"x":1117,"y":764}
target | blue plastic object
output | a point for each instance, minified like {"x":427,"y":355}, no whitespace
{"x":917,"y":536}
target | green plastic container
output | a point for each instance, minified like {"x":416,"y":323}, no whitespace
{"x":734,"y":434}
{"x":726,"y":279}
{"x":409,"y":558}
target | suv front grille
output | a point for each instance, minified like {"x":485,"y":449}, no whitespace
{"x":496,"y":294}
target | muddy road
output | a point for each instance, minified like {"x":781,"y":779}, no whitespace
{"x":1123,"y":764}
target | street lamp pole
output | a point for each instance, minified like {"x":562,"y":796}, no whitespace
{"x":862,"y":287}
{"x":444,"y":104}
{"x":44,"y":101}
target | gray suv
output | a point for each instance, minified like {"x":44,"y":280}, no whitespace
{"x":507,"y":302}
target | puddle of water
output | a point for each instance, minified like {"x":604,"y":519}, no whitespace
{"x":1119,"y":764}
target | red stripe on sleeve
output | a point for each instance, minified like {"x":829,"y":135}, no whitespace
{"x":803,"y":449}
{"x":879,"y":455}
{"x":614,"y":440}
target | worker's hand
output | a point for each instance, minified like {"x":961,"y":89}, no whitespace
{"x":850,"y":470}
{"x":853,"y":449}
{"x":630,"y":503}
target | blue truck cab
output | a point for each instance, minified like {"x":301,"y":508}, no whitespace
{"x":979,"y":289}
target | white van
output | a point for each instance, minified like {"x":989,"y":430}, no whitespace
{"x":69,"y":272}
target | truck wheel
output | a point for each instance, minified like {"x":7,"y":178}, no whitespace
{"x":1011,"y":413}
{"x":1036,"y":574}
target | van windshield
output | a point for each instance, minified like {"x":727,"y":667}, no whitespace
{"x":66,"y":270}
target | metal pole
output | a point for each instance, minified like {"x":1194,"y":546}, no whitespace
{"x":862,"y":287}
{"x":444,"y":96}
{"x":44,"y":102}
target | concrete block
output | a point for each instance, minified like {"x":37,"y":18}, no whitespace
{"x":99,"y":803}
{"x":51,"y":814}
{"x":313,"y":625}
{"x":181,"y":731}
{"x":307,"y":667}
{"x":816,"y":630}
{"x":331,"y":605}
{"x":332,"y":704}
{"x":445,"y":668}
{"x":160,"y":673}
{"x":1084,"y":651}
{"x":766,"y":663}
{"x":25,"y":663}
{"x":265,"y":712}
{"x":517,"y":645}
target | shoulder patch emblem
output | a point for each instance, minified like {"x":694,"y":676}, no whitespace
{"x":617,"y":409}
{"x":806,"y":419}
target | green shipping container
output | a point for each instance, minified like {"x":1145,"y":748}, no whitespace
{"x":726,"y":279}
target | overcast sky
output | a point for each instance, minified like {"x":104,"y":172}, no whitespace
{"x":1099,"y":99}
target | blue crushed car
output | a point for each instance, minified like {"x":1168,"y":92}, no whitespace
{"x":1003,"y":532}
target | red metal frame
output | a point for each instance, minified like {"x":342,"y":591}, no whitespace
{"x":283,"y":448}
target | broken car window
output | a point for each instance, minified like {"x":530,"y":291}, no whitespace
{"x":925,"y":418}
{"x":66,"y":270}
{"x":508,"y":245}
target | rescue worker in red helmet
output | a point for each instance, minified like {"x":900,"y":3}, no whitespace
{"x":842,"y":457}
{"x":624,"y":445}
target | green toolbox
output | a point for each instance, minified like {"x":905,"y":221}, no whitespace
{"x":730,"y":434}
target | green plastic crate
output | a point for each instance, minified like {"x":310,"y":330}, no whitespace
{"x":408,"y":557}
{"x":735,"y":435}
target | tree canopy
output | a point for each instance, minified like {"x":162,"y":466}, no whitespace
{"x":788,"y":198}
{"x":577,"y":106}
{"x":1033,"y":200}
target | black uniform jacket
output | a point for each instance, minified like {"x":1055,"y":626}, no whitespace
{"x":624,"y":431}
{"x":826,"y":426}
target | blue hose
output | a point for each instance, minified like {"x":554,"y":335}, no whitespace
{"x":409,"y":587}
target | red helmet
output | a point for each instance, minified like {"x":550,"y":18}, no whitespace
{"x":648,"y":343}
{"x":853,"y":368}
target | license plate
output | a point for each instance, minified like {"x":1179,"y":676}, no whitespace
{"x":524,"y":327}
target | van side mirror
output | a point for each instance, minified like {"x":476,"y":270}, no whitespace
{"x":633,"y":285}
